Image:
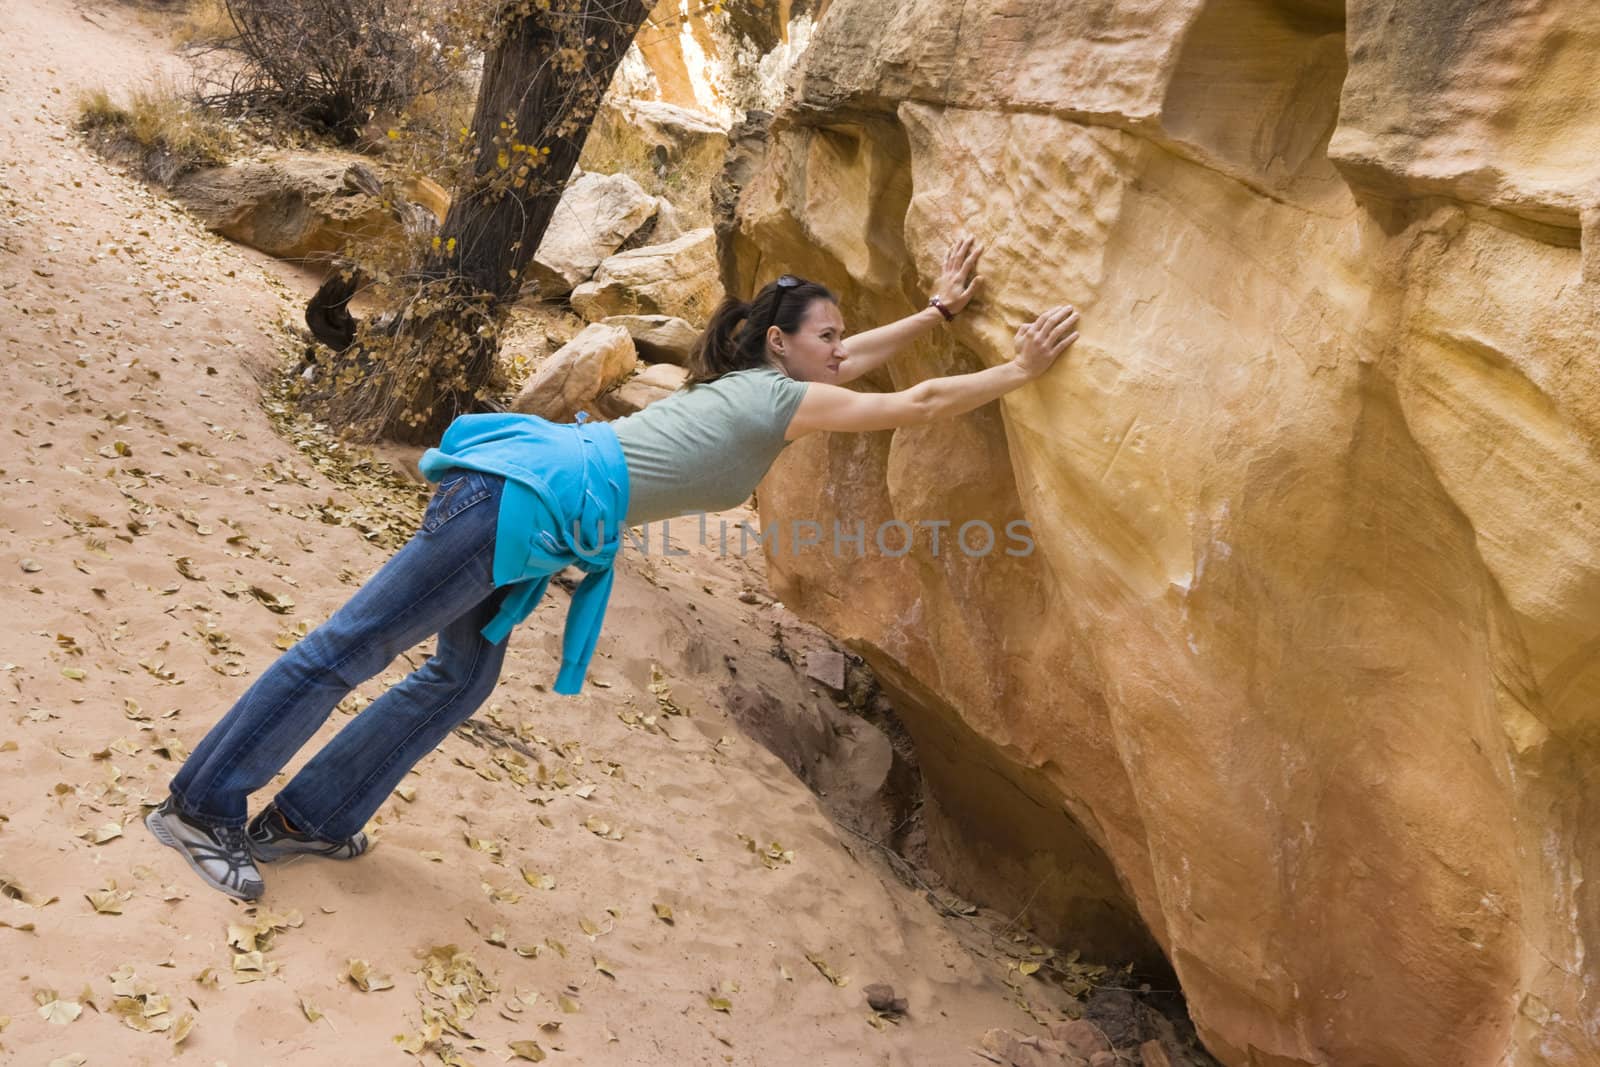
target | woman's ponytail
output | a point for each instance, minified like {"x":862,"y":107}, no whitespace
{"x":715,"y":352}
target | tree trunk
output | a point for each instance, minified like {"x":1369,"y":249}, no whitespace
{"x":543,"y":83}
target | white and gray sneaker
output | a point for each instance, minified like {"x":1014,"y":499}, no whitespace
{"x":219,"y":854}
{"x":271,"y":839}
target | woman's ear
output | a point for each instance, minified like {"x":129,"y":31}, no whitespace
{"x":775,"y":339}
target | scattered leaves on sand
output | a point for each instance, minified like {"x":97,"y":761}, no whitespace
{"x":663,"y":693}
{"x":528,"y":1050}
{"x":99,"y":835}
{"x":600,"y":828}
{"x":538,"y":881}
{"x":54,"y":1010}
{"x":121,"y":746}
{"x":417,"y":1043}
{"x":664,"y":913}
{"x":8,"y":888}
{"x":138,"y":1003}
{"x":310,"y":1010}
{"x":452,"y":976}
{"x":504,"y":894}
{"x":256,"y":934}
{"x":482,"y":844}
{"x":773,"y":855}
{"x":366,"y":979}
{"x":158,"y":669}
{"x":109,"y":901}
{"x":172,"y":748}
{"x":278,"y":604}
{"x":252,"y":967}
{"x":827,"y":972}
{"x":193,"y":520}
{"x":286,"y":639}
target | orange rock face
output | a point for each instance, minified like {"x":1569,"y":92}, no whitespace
{"x":1298,"y":686}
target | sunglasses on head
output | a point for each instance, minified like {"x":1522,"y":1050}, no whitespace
{"x":783,"y":284}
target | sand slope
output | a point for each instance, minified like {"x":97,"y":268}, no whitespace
{"x":129,"y":337}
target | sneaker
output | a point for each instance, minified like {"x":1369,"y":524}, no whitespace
{"x":271,"y":839}
{"x":219,"y":854}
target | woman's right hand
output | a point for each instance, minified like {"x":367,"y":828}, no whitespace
{"x":1045,"y":338}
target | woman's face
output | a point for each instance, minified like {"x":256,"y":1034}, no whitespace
{"x":814,"y":351}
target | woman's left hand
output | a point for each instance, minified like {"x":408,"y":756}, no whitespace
{"x":957,"y":281}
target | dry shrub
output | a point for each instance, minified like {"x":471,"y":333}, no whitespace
{"x":169,"y":133}
{"x":331,"y":65}
{"x":206,"y":22}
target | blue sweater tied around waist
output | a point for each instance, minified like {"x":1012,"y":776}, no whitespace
{"x":564,"y":502}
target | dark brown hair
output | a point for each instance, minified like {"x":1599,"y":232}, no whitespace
{"x":736,"y":337}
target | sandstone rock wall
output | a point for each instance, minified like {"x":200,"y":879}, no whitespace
{"x":1299,"y":684}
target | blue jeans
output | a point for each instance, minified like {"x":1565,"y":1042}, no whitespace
{"x":440,"y":582}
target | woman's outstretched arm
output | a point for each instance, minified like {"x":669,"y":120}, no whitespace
{"x":867,"y":350}
{"x":833,"y":409}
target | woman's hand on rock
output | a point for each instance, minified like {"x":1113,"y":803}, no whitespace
{"x":1045,"y":338}
{"x":957,"y":282}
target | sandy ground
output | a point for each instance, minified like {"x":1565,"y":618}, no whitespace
{"x":137,"y":439}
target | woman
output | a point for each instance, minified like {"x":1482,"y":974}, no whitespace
{"x":519,"y":498}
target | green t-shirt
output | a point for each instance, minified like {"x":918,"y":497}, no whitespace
{"x":706,"y":448}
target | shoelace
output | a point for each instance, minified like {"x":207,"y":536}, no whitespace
{"x":233,"y":838}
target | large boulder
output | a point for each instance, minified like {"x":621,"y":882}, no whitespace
{"x":292,"y":205}
{"x":575,"y":374}
{"x":596,"y":215}
{"x":678,"y":278}
{"x":669,"y":223}
{"x":643,"y":389}
{"x":659,"y":338}
{"x":1293,"y":682}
